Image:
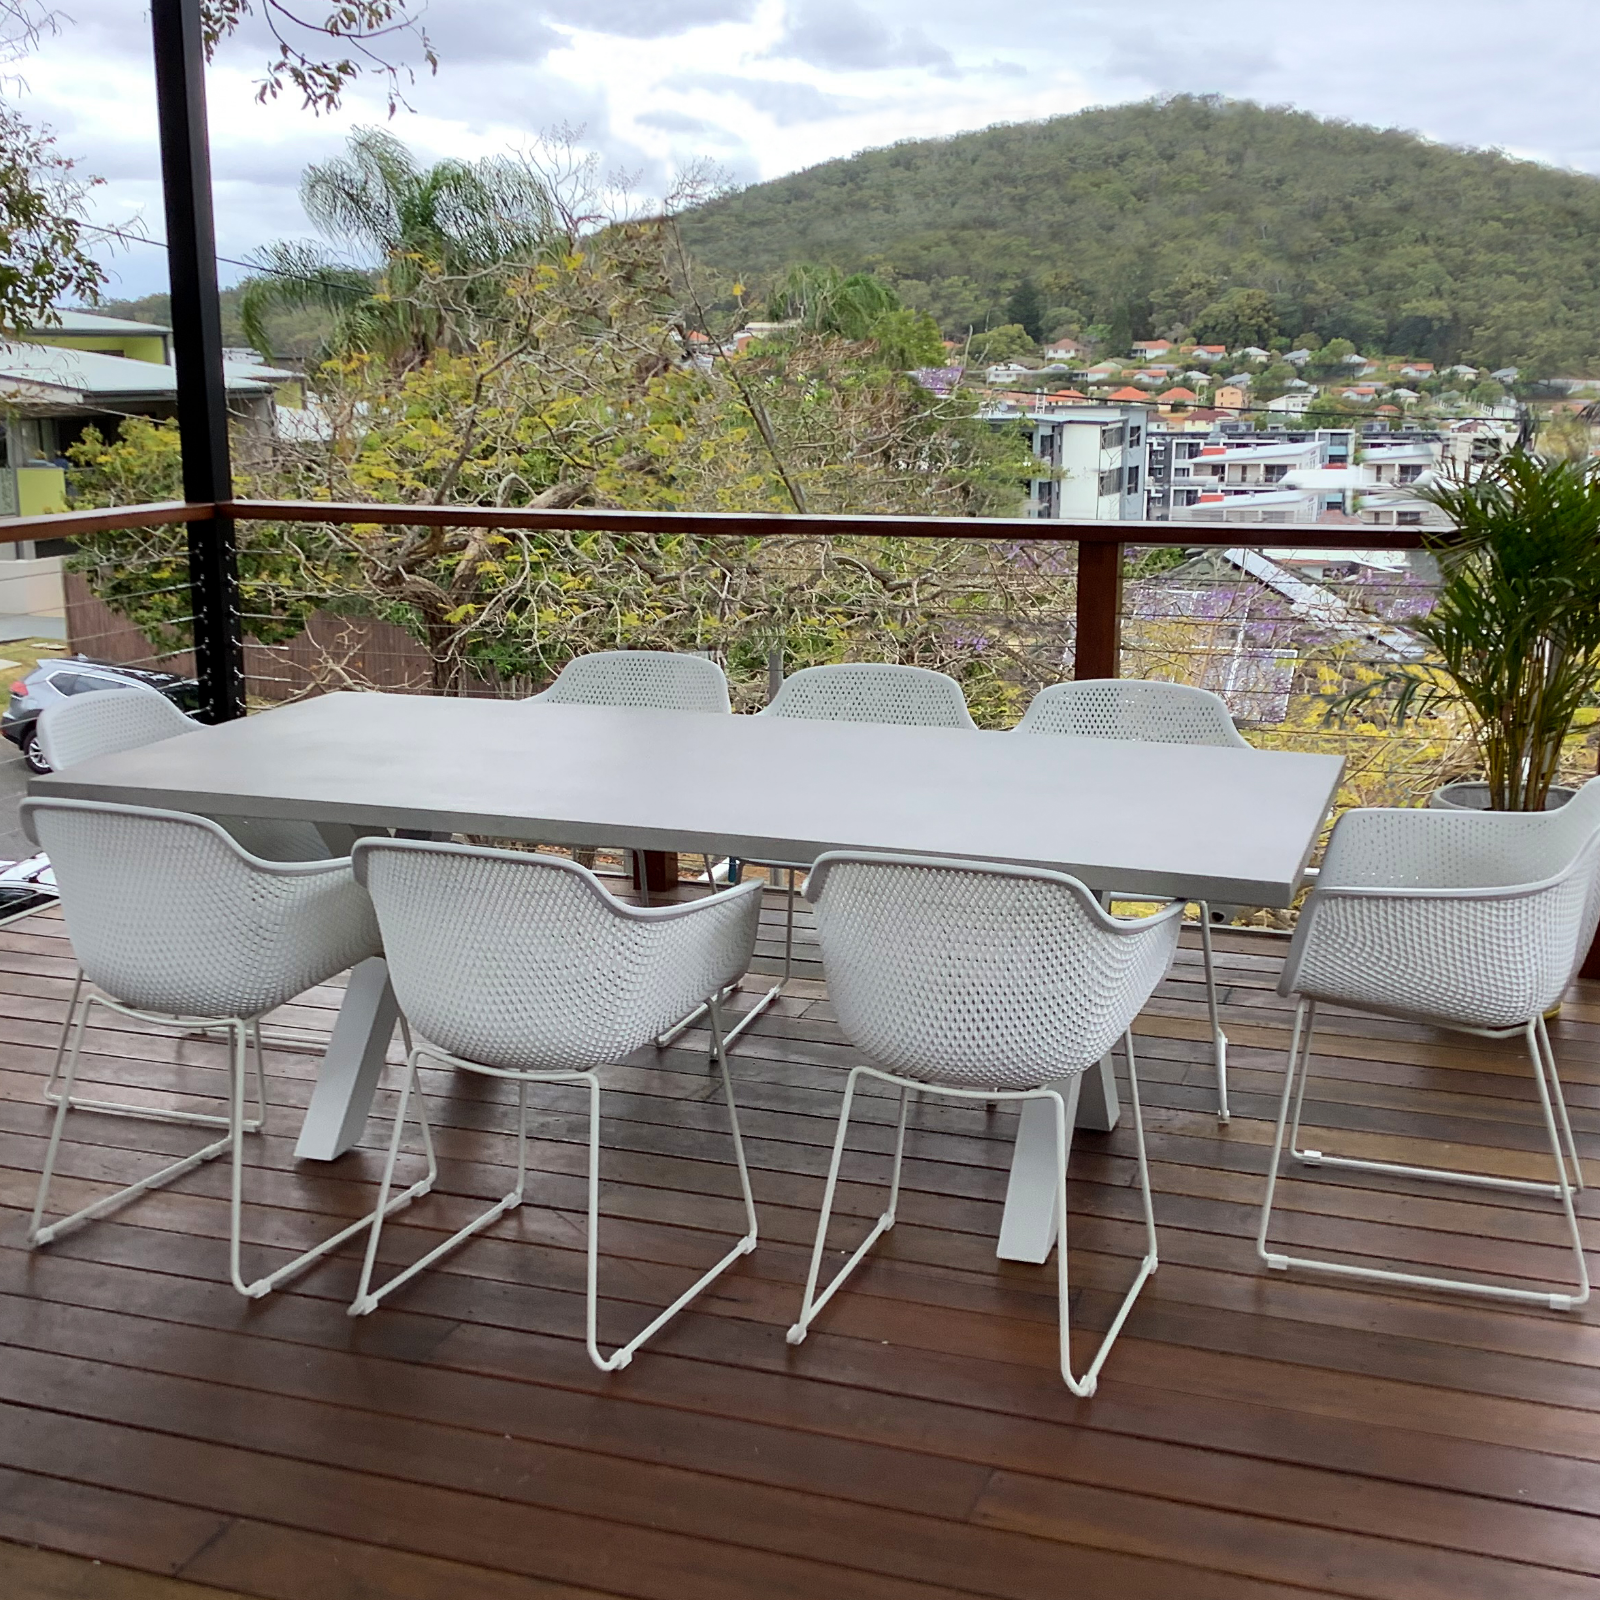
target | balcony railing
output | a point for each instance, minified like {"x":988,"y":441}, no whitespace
{"x":1006,"y":605}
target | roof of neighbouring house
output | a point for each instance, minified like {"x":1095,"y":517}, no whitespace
{"x":55,"y":374}
{"x":1127,"y":393}
{"x":1179,"y":393}
{"x":83,"y":322}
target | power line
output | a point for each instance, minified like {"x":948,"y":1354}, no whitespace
{"x":225,"y":261}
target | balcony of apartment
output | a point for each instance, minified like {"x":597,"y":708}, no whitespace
{"x":1255,"y":1433}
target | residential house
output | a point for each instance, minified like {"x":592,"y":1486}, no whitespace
{"x":1069,"y":350}
{"x":1004,"y":372}
{"x":1230,"y":397}
{"x":1103,"y":371}
{"x":1208,"y":353}
{"x":1417,"y":369}
{"x":1294,"y":403}
{"x":1147,"y":348}
{"x":1297,"y":358}
{"x":1253,"y":352}
{"x":1177,"y":396}
{"x":86,"y":371}
{"x":1126,"y":394}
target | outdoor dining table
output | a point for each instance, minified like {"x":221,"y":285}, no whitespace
{"x":1194,"y":822}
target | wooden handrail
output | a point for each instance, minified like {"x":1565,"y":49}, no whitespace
{"x":759,"y":524}
{"x":63,"y":524}
{"x":727,"y":524}
{"x":1100,"y":544}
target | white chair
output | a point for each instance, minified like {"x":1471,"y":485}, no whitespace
{"x":657,"y":680}
{"x":663,"y":680}
{"x":852,"y":691}
{"x":523,"y":967}
{"x":1473,"y":921}
{"x":872,"y":691}
{"x":981,"y":982}
{"x":1150,"y":712}
{"x":179,"y":927}
{"x":105,"y":723}
{"x":112,"y":720}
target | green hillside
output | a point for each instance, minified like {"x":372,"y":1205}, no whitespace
{"x":1138,"y":219}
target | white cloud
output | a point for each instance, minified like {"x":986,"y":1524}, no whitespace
{"x":762,"y":87}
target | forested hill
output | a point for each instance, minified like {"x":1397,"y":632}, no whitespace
{"x":1140,"y":218}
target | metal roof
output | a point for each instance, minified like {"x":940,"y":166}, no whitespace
{"x":54,"y":374}
{"x":93,"y":322}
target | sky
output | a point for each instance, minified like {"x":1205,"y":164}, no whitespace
{"x":758,"y":88}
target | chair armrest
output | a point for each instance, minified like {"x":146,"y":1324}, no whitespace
{"x":1399,"y":848}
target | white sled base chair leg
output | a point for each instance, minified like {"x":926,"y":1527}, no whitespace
{"x":973,"y":982}
{"x":178,"y":927}
{"x":1471,"y":921}
{"x":1152,"y":712}
{"x":1066,"y":1109}
{"x":545,"y":978}
{"x":1562,"y":1188}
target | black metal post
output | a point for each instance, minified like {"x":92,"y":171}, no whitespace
{"x":197,"y":351}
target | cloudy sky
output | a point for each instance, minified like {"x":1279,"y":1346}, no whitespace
{"x":762,"y":87}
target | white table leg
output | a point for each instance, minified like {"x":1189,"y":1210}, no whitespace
{"x":1029,"y":1225}
{"x":350,"y":1070}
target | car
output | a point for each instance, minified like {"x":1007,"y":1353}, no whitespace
{"x":52,"y":681}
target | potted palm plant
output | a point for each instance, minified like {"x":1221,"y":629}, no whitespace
{"x":1515,"y":631}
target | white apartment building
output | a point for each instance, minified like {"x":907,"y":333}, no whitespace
{"x":1093,"y":459}
{"x":1279,"y":476}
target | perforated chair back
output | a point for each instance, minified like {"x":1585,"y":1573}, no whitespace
{"x":107,"y":722}
{"x":662,"y":680}
{"x":524,"y":962}
{"x":167,"y":913}
{"x":872,"y":691}
{"x":1477,"y":918}
{"x":1143,"y":709}
{"x":978,"y":976}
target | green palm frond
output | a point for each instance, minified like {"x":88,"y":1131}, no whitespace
{"x":297,"y":277}
{"x":1515,"y":631}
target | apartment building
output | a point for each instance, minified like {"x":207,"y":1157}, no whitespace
{"x":1093,"y":459}
{"x":1188,"y":469}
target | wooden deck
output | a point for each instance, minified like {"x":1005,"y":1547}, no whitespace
{"x":1254,"y":1436}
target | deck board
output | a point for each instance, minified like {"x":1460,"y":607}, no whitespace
{"x":1255,"y":1436}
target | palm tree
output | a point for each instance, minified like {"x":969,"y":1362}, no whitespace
{"x":455,"y":221}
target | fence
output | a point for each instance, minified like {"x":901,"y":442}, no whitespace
{"x":1006,"y":605}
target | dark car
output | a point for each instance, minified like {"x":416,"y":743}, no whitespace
{"x":53,"y":681}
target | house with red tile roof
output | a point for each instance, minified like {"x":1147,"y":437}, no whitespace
{"x":1126,"y":393}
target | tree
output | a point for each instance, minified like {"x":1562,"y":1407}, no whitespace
{"x":43,"y":258}
{"x":823,"y":300}
{"x":1004,"y":343}
{"x":1241,"y":317}
{"x":1183,"y":300}
{"x":906,"y":339}
{"x":1330,"y":361}
{"x":43,"y":254}
{"x":1026,"y":309}
{"x":456,"y":220}
{"x":578,"y":391}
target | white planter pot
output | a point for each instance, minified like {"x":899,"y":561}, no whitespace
{"x":1471,"y":796}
